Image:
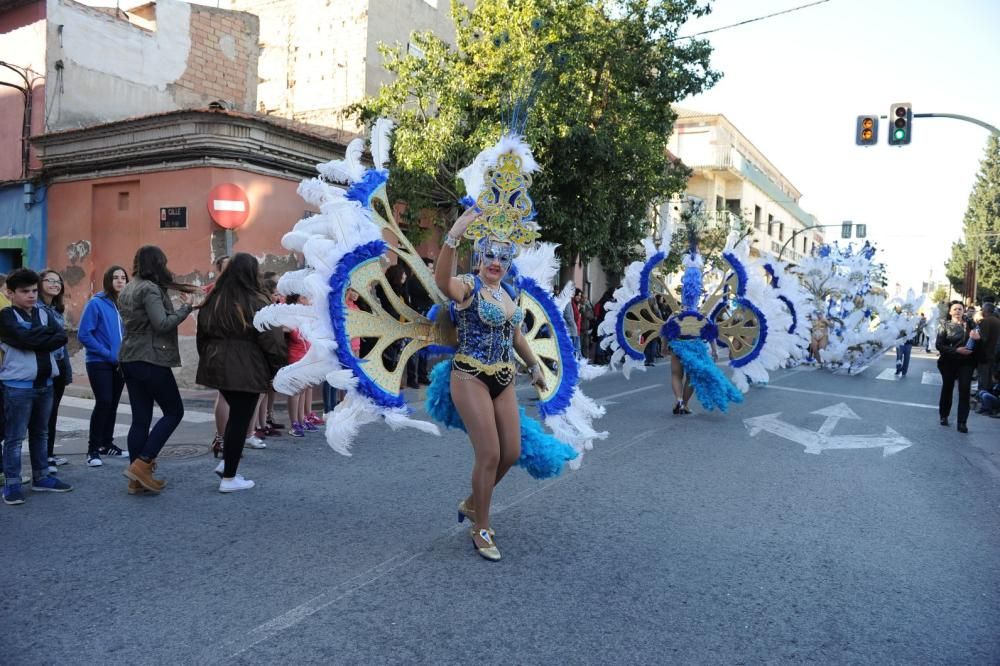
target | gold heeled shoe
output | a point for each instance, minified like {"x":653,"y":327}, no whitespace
{"x":489,"y":552}
{"x":464,"y":512}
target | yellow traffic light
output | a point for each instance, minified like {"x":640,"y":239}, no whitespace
{"x":867,"y":131}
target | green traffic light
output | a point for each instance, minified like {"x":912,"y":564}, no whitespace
{"x":899,"y":134}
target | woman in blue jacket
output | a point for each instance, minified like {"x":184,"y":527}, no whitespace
{"x":101,"y":334}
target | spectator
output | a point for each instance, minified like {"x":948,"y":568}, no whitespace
{"x":955,"y":364}
{"x":149,"y":350}
{"x":101,"y":335}
{"x":586,"y":325}
{"x":986,"y":348}
{"x":220,"y":409}
{"x":298,"y":403}
{"x":51,"y":294}
{"x":4,"y":303}
{"x":600,"y":355}
{"x":236,"y":358}
{"x":572,"y":326}
{"x":30,"y":338}
{"x":989,"y":401}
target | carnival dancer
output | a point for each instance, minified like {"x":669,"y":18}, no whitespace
{"x":488,"y":322}
{"x":345,"y":249}
{"x":744,"y":313}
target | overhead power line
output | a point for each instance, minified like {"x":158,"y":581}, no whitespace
{"x":753,"y":20}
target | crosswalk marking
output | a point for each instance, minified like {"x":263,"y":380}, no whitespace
{"x":931,"y":378}
{"x":888,"y":374}
{"x":88,"y":404}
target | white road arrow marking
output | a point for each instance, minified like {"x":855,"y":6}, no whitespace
{"x":816,"y":442}
{"x":833,"y":414}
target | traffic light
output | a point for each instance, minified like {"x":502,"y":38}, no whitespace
{"x":867,"y":131}
{"x":845,"y":229}
{"x":901,"y":130}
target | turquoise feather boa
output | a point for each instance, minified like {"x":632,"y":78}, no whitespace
{"x":711,"y":386}
{"x":542,"y":455}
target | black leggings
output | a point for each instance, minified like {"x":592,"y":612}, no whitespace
{"x":951,"y":371}
{"x":242,"y":407}
{"x":58,"y":388}
{"x":495,"y":383}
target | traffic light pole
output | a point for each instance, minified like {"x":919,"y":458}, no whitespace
{"x":955,"y":116}
{"x":799,"y":231}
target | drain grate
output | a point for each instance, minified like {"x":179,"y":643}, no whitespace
{"x":183,"y":451}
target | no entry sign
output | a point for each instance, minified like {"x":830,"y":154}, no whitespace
{"x":228,"y":205}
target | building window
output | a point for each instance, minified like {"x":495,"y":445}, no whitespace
{"x":804,"y":241}
{"x":123,"y":201}
{"x":770,"y":225}
{"x":756,"y":217}
{"x":718,"y":204}
{"x":781,"y":231}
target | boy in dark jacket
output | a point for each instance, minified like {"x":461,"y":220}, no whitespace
{"x":29,"y":337}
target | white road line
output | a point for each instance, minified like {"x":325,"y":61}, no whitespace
{"x":888,"y":374}
{"x":624,"y":393}
{"x":87,"y":403}
{"x":278,"y":624}
{"x":850,"y":397}
{"x":70,"y":424}
{"x":931,"y":378}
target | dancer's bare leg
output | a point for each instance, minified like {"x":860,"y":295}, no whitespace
{"x":508,"y":421}
{"x":472,"y":400}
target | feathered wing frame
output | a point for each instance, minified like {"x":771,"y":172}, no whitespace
{"x":743,"y":313}
{"x":345,"y":247}
{"x":861,"y":324}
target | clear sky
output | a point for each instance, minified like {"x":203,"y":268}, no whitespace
{"x":794,"y":85}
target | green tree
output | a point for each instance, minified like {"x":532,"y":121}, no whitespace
{"x":981,"y":229}
{"x":600,"y":119}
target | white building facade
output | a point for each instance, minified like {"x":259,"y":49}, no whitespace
{"x":732,"y":177}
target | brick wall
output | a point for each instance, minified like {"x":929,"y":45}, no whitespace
{"x":222,"y":61}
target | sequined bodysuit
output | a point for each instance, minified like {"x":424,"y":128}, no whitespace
{"x":485,"y":348}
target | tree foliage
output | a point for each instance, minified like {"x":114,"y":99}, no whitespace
{"x":598,"y":126}
{"x":981,"y":229}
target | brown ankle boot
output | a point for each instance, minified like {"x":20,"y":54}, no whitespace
{"x":135,"y":488}
{"x":161,"y":482}
{"x":142,"y":472}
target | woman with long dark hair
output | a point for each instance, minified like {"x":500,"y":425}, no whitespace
{"x":236,"y":358}
{"x":149,"y":350}
{"x":956,"y":363}
{"x":101,"y":332}
{"x":50,"y":293}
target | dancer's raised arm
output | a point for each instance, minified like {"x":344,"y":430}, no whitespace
{"x":452,"y":287}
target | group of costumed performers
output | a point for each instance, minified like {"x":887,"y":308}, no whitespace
{"x":752,"y":311}
{"x":486,"y":322}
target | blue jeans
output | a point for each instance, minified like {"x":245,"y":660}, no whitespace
{"x":107,"y":382}
{"x":148,"y":383}
{"x":26,"y":411}
{"x":903,"y":358}
{"x":329,"y":398}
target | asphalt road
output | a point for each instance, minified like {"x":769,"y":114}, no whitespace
{"x":680,"y":540}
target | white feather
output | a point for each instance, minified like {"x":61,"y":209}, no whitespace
{"x":380,"y":142}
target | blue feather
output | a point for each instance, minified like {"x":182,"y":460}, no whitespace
{"x":711,"y":386}
{"x":791,"y":309}
{"x":691,"y":287}
{"x":560,"y":399}
{"x":339,"y":282}
{"x":542,"y":455}
{"x":740,"y":270}
{"x":363,"y":190}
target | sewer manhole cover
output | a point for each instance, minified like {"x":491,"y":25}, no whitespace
{"x":183,"y":451}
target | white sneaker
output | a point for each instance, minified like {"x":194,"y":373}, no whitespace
{"x":220,"y":468}
{"x":255,"y":442}
{"x":234,"y":484}
{"x":94,"y":460}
